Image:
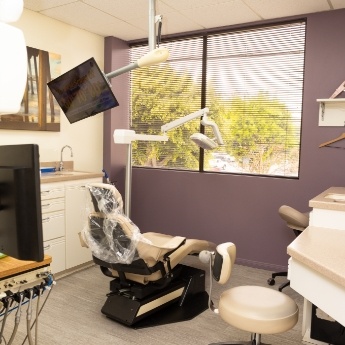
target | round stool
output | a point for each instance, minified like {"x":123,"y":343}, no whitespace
{"x":258,"y":310}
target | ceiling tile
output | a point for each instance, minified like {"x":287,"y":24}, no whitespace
{"x":127,"y":10}
{"x":173,"y":22}
{"x":268,"y":9}
{"x":129,"y":19}
{"x":225,"y":13}
{"x":40,"y":5}
{"x":93,"y":20}
{"x":337,"y":4}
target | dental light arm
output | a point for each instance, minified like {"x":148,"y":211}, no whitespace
{"x":200,"y":139}
{"x":179,"y":122}
{"x":153,"y":57}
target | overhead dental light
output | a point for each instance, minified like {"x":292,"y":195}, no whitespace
{"x":200,"y":139}
{"x":13,"y":58}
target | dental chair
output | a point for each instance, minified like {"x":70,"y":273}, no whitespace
{"x":149,"y":284}
{"x":255,"y":309}
{"x":296,"y":221}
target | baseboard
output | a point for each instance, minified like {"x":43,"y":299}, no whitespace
{"x":261,"y":265}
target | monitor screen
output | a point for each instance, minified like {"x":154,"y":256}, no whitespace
{"x":21,"y":234}
{"x":83,"y":91}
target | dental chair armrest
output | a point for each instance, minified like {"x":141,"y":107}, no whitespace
{"x":163,"y":241}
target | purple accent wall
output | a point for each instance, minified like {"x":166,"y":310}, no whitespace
{"x":243,"y":209}
{"x":116,"y":55}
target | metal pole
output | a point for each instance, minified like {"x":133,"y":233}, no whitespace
{"x":152,"y":24}
{"x":128,"y":181}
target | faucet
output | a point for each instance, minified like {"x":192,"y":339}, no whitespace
{"x":61,"y":161}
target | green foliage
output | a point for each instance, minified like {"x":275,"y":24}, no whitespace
{"x":260,"y":133}
{"x":159,"y":96}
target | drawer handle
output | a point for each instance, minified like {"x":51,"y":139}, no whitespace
{"x":45,"y":192}
{"x":47,"y":247}
{"x":46,"y":205}
{"x":46,"y":220}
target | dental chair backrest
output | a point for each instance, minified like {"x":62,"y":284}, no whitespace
{"x":223,"y":263}
{"x":111,"y":236}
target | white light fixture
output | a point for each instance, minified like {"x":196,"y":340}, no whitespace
{"x":13,"y":58}
{"x":198,"y":138}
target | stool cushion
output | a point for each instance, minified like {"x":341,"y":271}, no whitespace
{"x":258,"y":309}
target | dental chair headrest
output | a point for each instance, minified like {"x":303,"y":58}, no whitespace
{"x":106,"y":198}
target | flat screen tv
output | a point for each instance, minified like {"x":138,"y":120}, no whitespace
{"x":21,"y":234}
{"x":83,"y":91}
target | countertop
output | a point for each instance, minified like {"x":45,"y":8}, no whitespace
{"x":10,"y":266}
{"x":67,"y":175}
{"x":321,"y":201}
{"x":322,"y":250}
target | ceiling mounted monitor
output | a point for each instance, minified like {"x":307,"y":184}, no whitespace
{"x":83,"y":91}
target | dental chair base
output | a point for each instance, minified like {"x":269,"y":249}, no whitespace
{"x":181,"y":300}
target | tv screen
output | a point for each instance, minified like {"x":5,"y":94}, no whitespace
{"x":83,"y":91}
{"x":21,"y":234}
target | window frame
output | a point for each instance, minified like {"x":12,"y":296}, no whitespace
{"x":204,"y":34}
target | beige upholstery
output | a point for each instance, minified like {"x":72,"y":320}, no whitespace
{"x":294,"y":219}
{"x":257,"y":309}
{"x":157,"y":246}
{"x":151,"y":247}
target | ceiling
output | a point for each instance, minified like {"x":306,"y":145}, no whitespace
{"x":128,"y":19}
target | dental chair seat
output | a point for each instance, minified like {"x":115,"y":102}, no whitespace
{"x":146,"y":267}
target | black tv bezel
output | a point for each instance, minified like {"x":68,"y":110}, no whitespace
{"x":21,"y":230}
{"x":81,"y":113}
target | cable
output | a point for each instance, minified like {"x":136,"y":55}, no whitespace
{"x":36,"y":318}
{"x":17,"y":318}
{"x":50,"y":288}
{"x":159,"y":36}
{"x":28,"y":318}
{"x":4,"y":320}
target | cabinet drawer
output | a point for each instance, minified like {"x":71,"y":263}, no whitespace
{"x":50,"y":192}
{"x":52,"y":205}
{"x":57,"y":250}
{"x":53,"y":225}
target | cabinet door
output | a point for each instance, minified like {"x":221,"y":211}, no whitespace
{"x":76,"y":218}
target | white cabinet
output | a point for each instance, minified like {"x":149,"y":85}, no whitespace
{"x":64,"y":214}
{"x":76,"y":218}
{"x":57,"y":250}
{"x":53,"y":223}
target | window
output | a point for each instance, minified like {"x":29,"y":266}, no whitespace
{"x":252,"y":82}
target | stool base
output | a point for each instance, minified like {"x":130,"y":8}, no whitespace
{"x":255,"y":340}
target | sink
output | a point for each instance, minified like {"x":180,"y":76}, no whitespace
{"x":58,"y":173}
{"x":63,"y":173}
{"x":336,"y":197}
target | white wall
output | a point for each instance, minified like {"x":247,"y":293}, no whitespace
{"x":75,"y":46}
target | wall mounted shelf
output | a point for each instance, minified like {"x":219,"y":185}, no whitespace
{"x":332,"y":112}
